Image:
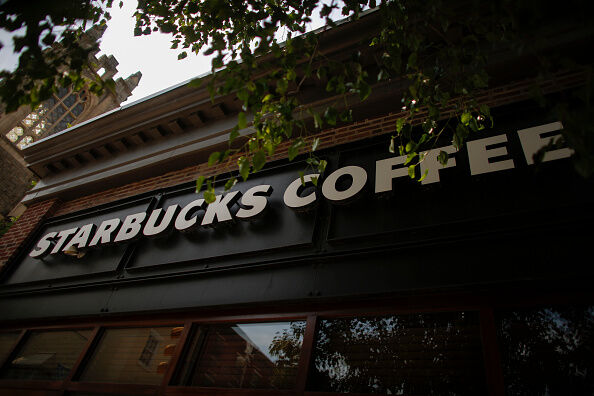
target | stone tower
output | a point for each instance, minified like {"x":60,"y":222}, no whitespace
{"x":63,"y":110}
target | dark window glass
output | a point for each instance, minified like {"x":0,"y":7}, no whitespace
{"x":132,"y":355}
{"x":47,"y":355}
{"x":7,"y":341}
{"x":548,"y":351}
{"x":254,"y":355}
{"x":69,"y":101}
{"x":78,"y":109}
{"x":50,"y":103}
{"x":62,"y":92}
{"x":416,"y":354}
{"x":55,"y":114}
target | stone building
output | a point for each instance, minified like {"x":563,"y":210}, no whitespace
{"x":63,"y":110}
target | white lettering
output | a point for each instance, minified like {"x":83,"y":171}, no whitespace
{"x":42,"y":248}
{"x":254,"y":201}
{"x":151,"y":229}
{"x":432,"y":166}
{"x":479,"y":154}
{"x":292,"y":198}
{"x":182,"y":222}
{"x":532,"y":142}
{"x":81,"y":238}
{"x":130,"y":227}
{"x":358,"y":175}
{"x":63,"y":235}
{"x":103,"y":234}
{"x":218,"y":211}
{"x":385,"y":172}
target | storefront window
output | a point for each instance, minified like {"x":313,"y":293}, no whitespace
{"x":47,"y":355}
{"x":415,"y":354}
{"x":254,"y":355}
{"x":548,"y":351}
{"x":7,"y":341}
{"x":137,"y":355}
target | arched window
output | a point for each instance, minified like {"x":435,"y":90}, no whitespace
{"x":54,"y":115}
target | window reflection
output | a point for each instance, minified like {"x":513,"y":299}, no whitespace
{"x":7,"y":341}
{"x":47,"y":355}
{"x":420,"y":354}
{"x":132,"y":355}
{"x":255,"y":355}
{"x":548,"y":351}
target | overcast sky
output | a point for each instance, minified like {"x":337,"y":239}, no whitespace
{"x":150,"y":54}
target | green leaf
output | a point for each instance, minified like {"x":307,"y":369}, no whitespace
{"x":364,"y":90}
{"x":391,"y":148}
{"x":234,"y":134}
{"x":443,"y":158}
{"x":424,"y":175}
{"x":210,"y":196}
{"x":199,"y":182}
{"x":322,"y":166}
{"x":267,"y":98}
{"x":411,"y":171}
{"x":182,"y":55}
{"x":465,"y":118}
{"x":315,"y":144}
{"x":314,"y":180}
{"x":293,"y":150}
{"x":330,"y":115}
{"x":195,"y":83}
{"x":244,"y":167}
{"x":259,"y":160}
{"x":230,"y":183}
{"x":241,"y":120}
{"x":281,"y":86}
{"x":317,"y":121}
{"x":213,"y":158}
{"x":399,"y":124}
{"x":410,"y":157}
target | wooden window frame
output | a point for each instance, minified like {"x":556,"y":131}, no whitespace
{"x":485,"y":306}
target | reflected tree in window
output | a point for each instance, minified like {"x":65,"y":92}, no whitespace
{"x":548,"y":351}
{"x":430,"y":354}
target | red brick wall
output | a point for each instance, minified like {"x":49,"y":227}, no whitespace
{"x":18,"y":234}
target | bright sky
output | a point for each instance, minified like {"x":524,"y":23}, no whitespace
{"x":150,"y":54}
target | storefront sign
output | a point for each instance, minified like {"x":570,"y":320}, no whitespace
{"x":482,"y":158}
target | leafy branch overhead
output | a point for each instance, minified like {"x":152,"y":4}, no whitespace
{"x":438,"y":51}
{"x":436,"y":57}
{"x":53,"y":52}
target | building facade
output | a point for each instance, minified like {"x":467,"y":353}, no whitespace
{"x":118,"y":279}
{"x":63,"y":110}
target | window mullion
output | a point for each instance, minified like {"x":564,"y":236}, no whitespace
{"x":15,"y":347}
{"x":175,"y":358}
{"x":306,"y":352}
{"x":84,"y":355}
{"x":492,"y":359}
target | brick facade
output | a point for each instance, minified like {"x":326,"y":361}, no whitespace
{"x":16,"y":179}
{"x":19,"y":233}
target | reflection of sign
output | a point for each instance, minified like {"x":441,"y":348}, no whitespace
{"x":148,"y":352}
{"x":484,"y":156}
